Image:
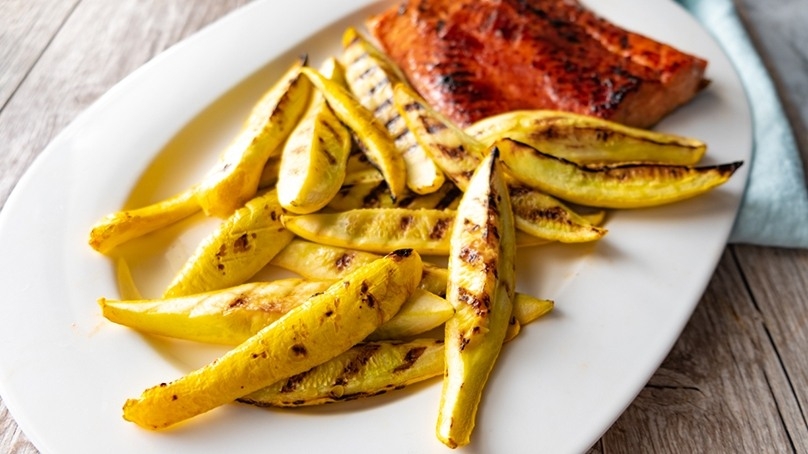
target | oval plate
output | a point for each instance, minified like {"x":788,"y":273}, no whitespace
{"x":65,"y":372}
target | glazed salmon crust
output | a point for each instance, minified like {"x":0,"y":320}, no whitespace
{"x":475,"y":58}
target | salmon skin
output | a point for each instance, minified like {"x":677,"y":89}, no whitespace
{"x":475,"y":58}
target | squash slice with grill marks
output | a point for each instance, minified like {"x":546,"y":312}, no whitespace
{"x":323,"y":327}
{"x":369,"y":369}
{"x":235,"y":178}
{"x":228,"y":317}
{"x":314,"y":158}
{"x":459,"y":154}
{"x":233,"y":315}
{"x":381,"y":230}
{"x":377,"y":230}
{"x":377,"y":195}
{"x":371,"y":76}
{"x":619,"y":186}
{"x":587,"y":140}
{"x":239,"y":247}
{"x":359,"y":169}
{"x":481,"y":288}
{"x":323,"y":262}
{"x":370,"y":135}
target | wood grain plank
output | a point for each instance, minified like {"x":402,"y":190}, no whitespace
{"x":26,"y":28}
{"x":97,"y":46}
{"x":713,"y":392}
{"x":100,"y":44}
{"x":12,"y":440}
{"x":778,"y":281}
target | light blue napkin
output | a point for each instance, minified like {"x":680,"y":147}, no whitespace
{"x":774,"y":210}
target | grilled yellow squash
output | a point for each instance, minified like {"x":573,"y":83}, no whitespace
{"x":314,"y":158}
{"x":323,"y":262}
{"x":618,"y":186}
{"x":228,"y":317}
{"x":587,"y":140}
{"x":371,"y":77}
{"x":377,"y":195}
{"x":233,"y":315}
{"x":369,"y":369}
{"x":381,"y":230}
{"x":235,"y":177}
{"x":481,"y":289}
{"x":377,"y":230}
{"x":325,"y":326}
{"x":122,"y":226}
{"x":242,"y":244}
{"x":371,"y":136}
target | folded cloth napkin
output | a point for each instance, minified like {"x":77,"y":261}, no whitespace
{"x":774,"y":209}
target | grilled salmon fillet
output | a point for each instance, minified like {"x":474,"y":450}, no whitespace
{"x":475,"y":58}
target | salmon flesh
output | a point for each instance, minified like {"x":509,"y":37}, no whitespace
{"x":475,"y":58}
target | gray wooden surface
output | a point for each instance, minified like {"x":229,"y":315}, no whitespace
{"x":737,"y":379}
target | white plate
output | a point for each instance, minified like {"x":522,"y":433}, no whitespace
{"x":65,"y":372}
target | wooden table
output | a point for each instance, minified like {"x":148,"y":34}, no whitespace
{"x":736,"y":381}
